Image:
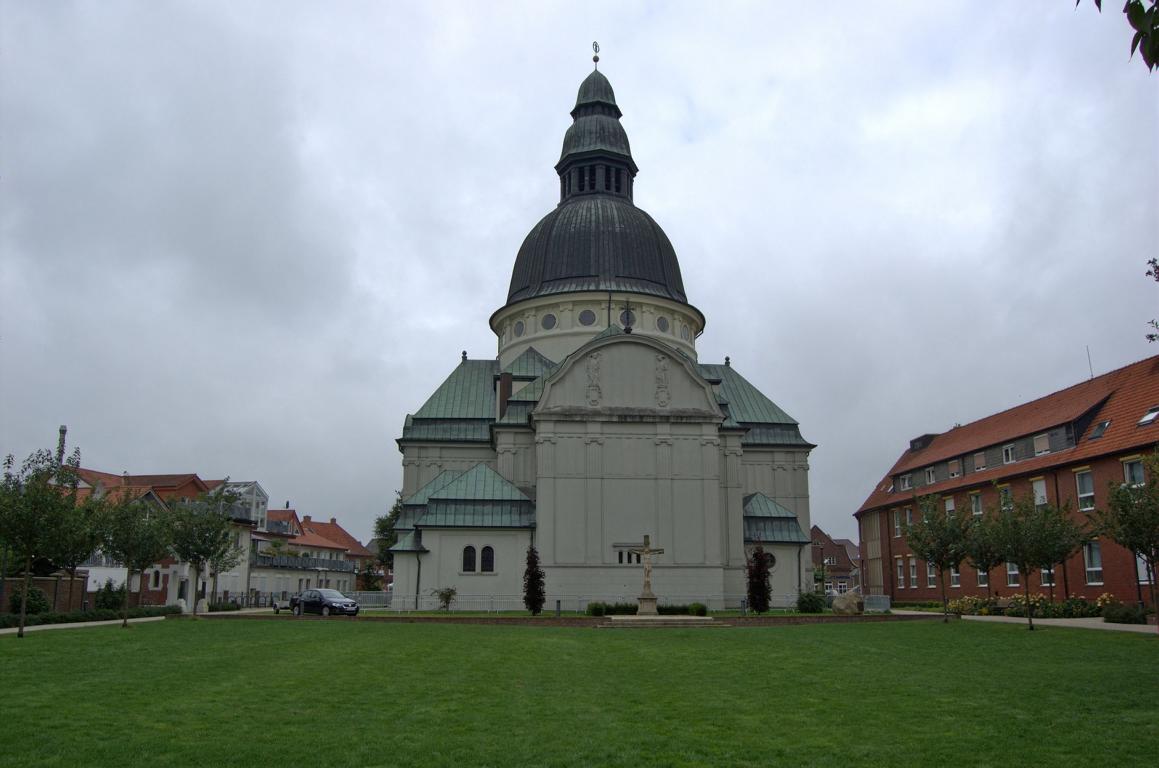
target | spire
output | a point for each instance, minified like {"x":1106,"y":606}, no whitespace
{"x":596,"y":157}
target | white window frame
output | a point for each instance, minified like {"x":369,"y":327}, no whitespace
{"x":1012,"y":576}
{"x":1008,"y":454}
{"x":1128,"y":464}
{"x":976,"y":504}
{"x":1041,"y":444}
{"x":897,"y":523}
{"x":1046,"y":577}
{"x":1005,"y":498}
{"x":1086,"y":500}
{"x":906,"y":482}
{"x":1093,"y":551}
{"x":931,"y":476}
{"x":950,"y":507}
{"x":1150,"y":416}
{"x":1038,"y":488}
{"x":909,"y":515}
{"x":900,"y":573}
{"x":983,"y":578}
{"x":931,"y":575}
{"x":954,"y":467}
{"x":979,"y":466}
{"x":1141,"y":570}
{"x":955,"y":577}
{"x":913,"y":573}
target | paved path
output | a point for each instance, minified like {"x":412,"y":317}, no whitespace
{"x":1093,"y":623}
{"x":80,"y":625}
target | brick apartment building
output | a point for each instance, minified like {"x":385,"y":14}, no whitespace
{"x":833,"y":558}
{"x":1065,"y":448}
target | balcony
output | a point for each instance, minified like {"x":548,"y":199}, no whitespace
{"x":302,"y":563}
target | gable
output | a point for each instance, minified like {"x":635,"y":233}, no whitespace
{"x":624,"y":374}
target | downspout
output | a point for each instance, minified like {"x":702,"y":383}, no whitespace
{"x":800,"y":584}
{"x":418,"y":576}
{"x":888,"y":566}
{"x":1065,"y":580}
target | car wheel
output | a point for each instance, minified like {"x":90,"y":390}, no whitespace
{"x":298,"y":609}
{"x":325,"y":610}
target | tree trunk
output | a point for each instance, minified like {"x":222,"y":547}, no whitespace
{"x":1052,"y":584}
{"x":945,"y":603}
{"x":125,"y":601}
{"x":196,"y":587}
{"x":1154,"y":605}
{"x":71,"y":578}
{"x":27,"y":582}
{"x":1026,"y":592}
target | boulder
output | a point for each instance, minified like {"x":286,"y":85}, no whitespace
{"x":849,"y":604}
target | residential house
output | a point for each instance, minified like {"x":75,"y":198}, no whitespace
{"x":831,"y":563}
{"x":1067,"y":449}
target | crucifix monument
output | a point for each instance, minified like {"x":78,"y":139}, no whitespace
{"x":647,"y":599}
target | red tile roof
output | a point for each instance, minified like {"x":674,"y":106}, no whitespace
{"x":311,"y":539}
{"x":336,"y":533}
{"x":1122,"y":396}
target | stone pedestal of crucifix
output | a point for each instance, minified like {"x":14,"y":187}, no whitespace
{"x":647,"y":599}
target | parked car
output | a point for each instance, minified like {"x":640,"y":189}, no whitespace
{"x":324,"y":602}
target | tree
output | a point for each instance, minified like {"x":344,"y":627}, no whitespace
{"x":1062,"y":537}
{"x":201,"y":531}
{"x":1144,"y":19}
{"x":1032,"y":536}
{"x":225,"y":560}
{"x":1153,"y":273}
{"x":369,"y":580}
{"x":74,"y":535}
{"x":533,"y":583}
{"x":446,"y":596}
{"x":982,"y":547}
{"x":1131,"y":519}
{"x":31,"y":500}
{"x":939,"y":537}
{"x":136,"y":534}
{"x":760,"y":591}
{"x":386,"y":535}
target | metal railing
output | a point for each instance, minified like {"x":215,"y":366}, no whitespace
{"x":302,"y":563}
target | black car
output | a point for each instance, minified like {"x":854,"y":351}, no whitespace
{"x":324,"y":602}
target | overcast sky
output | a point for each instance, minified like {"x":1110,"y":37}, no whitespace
{"x":247,"y":239}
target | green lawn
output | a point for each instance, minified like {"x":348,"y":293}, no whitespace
{"x":340,"y":692}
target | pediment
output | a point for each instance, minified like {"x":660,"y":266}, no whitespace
{"x":624,"y":374}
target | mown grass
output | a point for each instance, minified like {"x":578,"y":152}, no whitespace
{"x":338,"y":693}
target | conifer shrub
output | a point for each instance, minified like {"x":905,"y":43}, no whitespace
{"x":109,"y":596}
{"x":810,"y":602}
{"x":37,"y":602}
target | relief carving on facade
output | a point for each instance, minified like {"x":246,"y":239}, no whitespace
{"x":662,"y":395}
{"x":594,"y":393}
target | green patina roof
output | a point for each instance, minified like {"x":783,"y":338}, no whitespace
{"x":766,"y":520}
{"x":441,"y":480}
{"x":760,"y":505}
{"x":747,"y":404}
{"x":478,"y":514}
{"x":530,"y":364}
{"x":457,"y":431}
{"x":479,"y":483}
{"x":531,"y":393}
{"x":408,"y":543}
{"x":517,"y":414}
{"x":774,"y":434}
{"x":468,"y":393}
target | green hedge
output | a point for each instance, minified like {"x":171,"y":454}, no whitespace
{"x":810,"y":602}
{"x":8,"y":620}
{"x":222,"y":607}
{"x":1121,"y":613}
{"x":630,"y":609}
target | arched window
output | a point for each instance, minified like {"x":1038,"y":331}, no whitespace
{"x":468,"y":559}
{"x":488,"y":560}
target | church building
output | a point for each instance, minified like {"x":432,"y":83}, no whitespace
{"x":595,"y":423}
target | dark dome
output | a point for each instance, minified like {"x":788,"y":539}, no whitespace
{"x":596,"y":243}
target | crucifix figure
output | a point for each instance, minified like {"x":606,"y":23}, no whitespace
{"x":647,"y":599}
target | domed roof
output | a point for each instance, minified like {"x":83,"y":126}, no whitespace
{"x":596,"y":243}
{"x":596,"y":239}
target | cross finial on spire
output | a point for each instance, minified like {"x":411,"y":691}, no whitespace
{"x":596,"y":52}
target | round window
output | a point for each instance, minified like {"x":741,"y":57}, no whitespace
{"x":587,"y":317}
{"x":627,"y":318}
{"x":685,"y":333}
{"x":662,"y":324}
{"x":547,"y":322}
{"x":519,"y":328}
